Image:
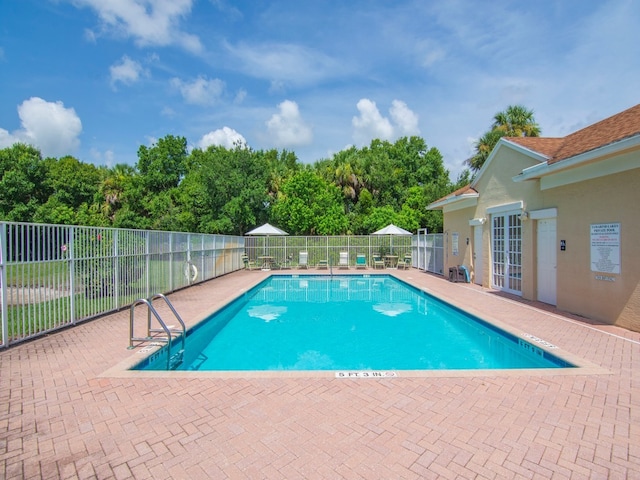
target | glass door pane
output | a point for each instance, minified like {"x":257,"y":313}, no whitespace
{"x":498,"y":247}
{"x":507,"y":252}
{"x":515,"y":253}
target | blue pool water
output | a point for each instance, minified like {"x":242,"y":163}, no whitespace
{"x":349,"y":323}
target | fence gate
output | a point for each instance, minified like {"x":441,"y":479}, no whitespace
{"x":429,"y":251}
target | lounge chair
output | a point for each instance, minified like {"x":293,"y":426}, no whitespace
{"x":344,"y":260}
{"x":249,"y":264}
{"x":322,"y":265}
{"x":303,"y":260}
{"x":361,"y":261}
{"x":378,"y":262}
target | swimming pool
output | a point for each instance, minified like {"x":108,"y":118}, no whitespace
{"x":348,"y":323}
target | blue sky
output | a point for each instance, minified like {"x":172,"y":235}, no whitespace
{"x":98,"y":78}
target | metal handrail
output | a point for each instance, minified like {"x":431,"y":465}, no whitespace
{"x":175,"y":313}
{"x":165,"y":328}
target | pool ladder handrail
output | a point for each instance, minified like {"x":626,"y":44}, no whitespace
{"x":168,"y":330}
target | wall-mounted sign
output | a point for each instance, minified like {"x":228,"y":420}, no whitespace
{"x":454,"y":244}
{"x":605,"y":247}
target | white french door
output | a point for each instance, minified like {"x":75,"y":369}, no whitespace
{"x":506,"y":249}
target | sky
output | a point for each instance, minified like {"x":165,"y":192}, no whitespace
{"x":97,"y":79}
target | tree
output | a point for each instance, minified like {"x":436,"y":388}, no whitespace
{"x":515,"y":121}
{"x":310,"y":206}
{"x":163,"y":165}
{"x":225,"y":191}
{"x":22,"y":188}
{"x":112,"y":189}
{"x":73,"y":185}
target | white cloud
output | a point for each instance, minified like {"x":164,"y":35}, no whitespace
{"x":48,"y":126}
{"x":404,"y":118}
{"x":149,"y":22}
{"x":371,"y":124}
{"x":7,"y":139}
{"x":287,"y":128}
{"x":240,"y":96}
{"x":429,"y":53}
{"x":286,"y":64}
{"x":225,"y":137}
{"x":201,"y":91}
{"x":127,"y":71}
{"x":107,"y":158}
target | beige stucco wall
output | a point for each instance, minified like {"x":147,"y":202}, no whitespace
{"x":609,"y":199}
{"x":612,"y":198}
{"x":496,"y":188}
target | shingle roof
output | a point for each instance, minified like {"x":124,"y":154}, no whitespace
{"x":466,"y":190}
{"x":613,"y":129}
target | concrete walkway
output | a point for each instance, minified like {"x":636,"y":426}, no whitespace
{"x":66,"y":412}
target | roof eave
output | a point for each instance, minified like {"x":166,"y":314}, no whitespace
{"x":451,"y":200}
{"x":537,"y":171}
{"x":514,"y":146}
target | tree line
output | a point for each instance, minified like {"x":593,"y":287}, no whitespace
{"x":230,"y":191}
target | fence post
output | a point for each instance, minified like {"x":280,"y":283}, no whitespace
{"x":171,"y":235}
{"x":3,"y":284}
{"x":147,"y":263}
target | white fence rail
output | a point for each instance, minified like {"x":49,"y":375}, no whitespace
{"x":53,"y":276}
{"x":285,"y":249}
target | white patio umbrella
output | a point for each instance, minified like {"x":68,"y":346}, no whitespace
{"x":391,"y":230}
{"x":266,"y":230}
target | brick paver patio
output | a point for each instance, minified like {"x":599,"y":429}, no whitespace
{"x":65,"y":413}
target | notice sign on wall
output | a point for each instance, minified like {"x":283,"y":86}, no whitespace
{"x":605,"y":247}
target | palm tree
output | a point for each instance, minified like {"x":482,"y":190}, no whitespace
{"x":515,"y":121}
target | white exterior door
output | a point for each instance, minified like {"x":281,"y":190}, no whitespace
{"x":506,"y":251}
{"x":477,"y":254}
{"x":546,"y":263}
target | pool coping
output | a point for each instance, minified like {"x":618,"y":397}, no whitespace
{"x":123,"y":369}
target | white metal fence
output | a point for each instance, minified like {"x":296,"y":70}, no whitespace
{"x":54,"y":276}
{"x":286,"y":249}
{"x":429,"y":252}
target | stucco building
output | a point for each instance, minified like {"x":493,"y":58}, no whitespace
{"x":556,"y":220}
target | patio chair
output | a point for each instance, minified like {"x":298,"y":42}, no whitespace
{"x":344,"y":260}
{"x":322,"y":265}
{"x":378,"y":262}
{"x":249,"y":264}
{"x":286,"y":264}
{"x":303,"y":260}
{"x":405,"y":263}
{"x":361,"y":261}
